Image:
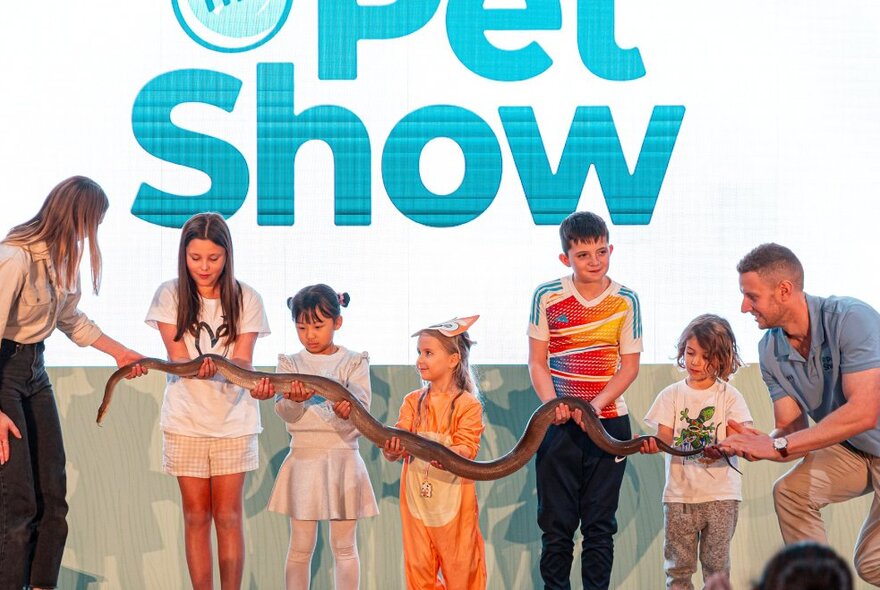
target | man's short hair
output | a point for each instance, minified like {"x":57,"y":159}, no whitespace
{"x":581,"y":226}
{"x":773,"y":261}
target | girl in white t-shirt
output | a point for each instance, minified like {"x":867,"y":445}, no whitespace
{"x":702,"y":493}
{"x":209,"y":426}
{"x":323,"y":476}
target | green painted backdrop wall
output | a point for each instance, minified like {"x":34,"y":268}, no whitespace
{"x":126,"y":528}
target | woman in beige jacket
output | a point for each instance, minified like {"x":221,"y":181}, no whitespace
{"x":39,"y":291}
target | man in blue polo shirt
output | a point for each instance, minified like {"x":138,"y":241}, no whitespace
{"x":819,"y":358}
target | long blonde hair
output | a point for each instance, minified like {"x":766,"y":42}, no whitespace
{"x":463,"y":375}
{"x":70,"y":214}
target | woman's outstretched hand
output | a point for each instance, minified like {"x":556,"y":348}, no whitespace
{"x":128,"y":356}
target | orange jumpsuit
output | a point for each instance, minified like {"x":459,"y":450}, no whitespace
{"x":438,"y":510}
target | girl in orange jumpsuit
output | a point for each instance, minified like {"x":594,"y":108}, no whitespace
{"x":442,"y":543}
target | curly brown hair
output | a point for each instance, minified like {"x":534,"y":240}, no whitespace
{"x":715,"y":336}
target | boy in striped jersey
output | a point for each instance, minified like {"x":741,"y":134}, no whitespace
{"x":585,"y":338}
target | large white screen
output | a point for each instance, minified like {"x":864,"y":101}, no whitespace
{"x":778,"y":143}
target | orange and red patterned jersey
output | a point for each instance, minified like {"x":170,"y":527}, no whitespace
{"x":586,"y":338}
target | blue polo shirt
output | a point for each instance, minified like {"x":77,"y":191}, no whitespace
{"x":844,"y":338}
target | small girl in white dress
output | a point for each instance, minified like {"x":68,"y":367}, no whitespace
{"x":323,"y":476}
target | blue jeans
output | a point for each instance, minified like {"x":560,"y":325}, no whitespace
{"x":578,"y":485}
{"x":33,"y":483}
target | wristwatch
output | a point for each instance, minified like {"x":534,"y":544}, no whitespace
{"x":781,"y":446}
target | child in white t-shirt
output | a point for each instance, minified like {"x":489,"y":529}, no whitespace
{"x":702,"y":493}
{"x":209,"y":426}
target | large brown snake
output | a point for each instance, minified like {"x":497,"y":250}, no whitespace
{"x":418,"y":446}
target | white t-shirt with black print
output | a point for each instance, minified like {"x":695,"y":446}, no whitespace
{"x":209,"y":407}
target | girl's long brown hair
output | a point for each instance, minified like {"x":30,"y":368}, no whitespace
{"x":70,"y":215}
{"x":206,"y":226}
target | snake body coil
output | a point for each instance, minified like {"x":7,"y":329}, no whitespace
{"x":418,"y":446}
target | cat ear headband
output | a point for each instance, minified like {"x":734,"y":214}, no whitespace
{"x":452,"y":327}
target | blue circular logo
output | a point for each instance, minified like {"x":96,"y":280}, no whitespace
{"x":231,"y":26}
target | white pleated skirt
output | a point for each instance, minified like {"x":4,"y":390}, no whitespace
{"x":323,"y":484}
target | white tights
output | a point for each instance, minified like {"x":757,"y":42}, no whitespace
{"x":343,"y":544}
